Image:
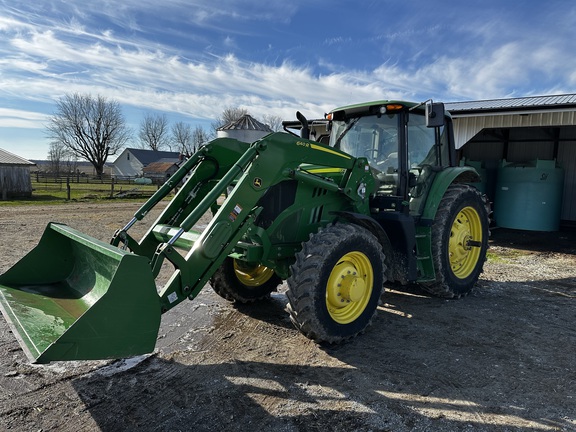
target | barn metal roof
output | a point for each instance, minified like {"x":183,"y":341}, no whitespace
{"x":159,"y":167}
{"x":148,"y":156}
{"x":7,"y":158}
{"x":246,"y":122}
{"x":530,"y":103}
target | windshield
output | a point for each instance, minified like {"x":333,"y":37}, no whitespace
{"x":376,"y":138}
{"x":372,"y":137}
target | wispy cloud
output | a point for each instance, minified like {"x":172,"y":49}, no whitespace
{"x":154,"y":79}
{"x":22,"y":119}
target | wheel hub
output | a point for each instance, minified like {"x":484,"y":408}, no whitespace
{"x":252,"y":275}
{"x":349,"y":287}
{"x":463,"y":250}
{"x":346,"y":287}
{"x":353,"y":288}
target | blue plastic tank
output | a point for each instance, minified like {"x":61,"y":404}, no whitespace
{"x":529,"y":195}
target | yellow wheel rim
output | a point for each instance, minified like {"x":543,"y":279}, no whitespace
{"x":349,"y":287}
{"x":252,"y":275}
{"x":465,"y":241}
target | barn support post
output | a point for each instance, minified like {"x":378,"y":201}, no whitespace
{"x":4,"y":187}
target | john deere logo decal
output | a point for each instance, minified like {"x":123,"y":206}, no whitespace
{"x":257,"y":182}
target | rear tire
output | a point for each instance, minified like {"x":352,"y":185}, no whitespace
{"x":459,"y":241}
{"x":336,"y":283}
{"x":242,"y":282}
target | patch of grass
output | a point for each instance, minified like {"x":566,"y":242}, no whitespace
{"x":54,"y":200}
{"x":496,"y":258}
{"x":56,"y":193}
{"x":505,"y":255}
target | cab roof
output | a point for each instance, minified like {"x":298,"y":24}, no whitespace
{"x":370,"y":108}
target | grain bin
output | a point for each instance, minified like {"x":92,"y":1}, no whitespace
{"x":529,"y":195}
{"x":246,"y":129}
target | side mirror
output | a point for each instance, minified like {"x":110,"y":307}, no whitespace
{"x":305,"y":131}
{"x":435,"y":114}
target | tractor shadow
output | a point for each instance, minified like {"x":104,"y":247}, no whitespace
{"x":496,"y":360}
{"x":387,"y":387}
{"x":424,"y":364}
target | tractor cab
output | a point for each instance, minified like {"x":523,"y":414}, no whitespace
{"x":404,"y":143}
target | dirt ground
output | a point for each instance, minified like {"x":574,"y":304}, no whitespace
{"x":502,"y":359}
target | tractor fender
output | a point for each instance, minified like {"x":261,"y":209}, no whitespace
{"x":442,"y":181}
{"x":366,"y":222}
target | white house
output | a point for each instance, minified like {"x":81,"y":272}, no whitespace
{"x":131,"y":161}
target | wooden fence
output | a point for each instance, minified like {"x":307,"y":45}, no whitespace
{"x":82,"y":186}
{"x":43,"y":177}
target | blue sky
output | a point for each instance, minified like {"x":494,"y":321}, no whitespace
{"x":189,"y":59}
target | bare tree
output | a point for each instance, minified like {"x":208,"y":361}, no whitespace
{"x":154,"y":133}
{"x":62,"y":160}
{"x":55,"y":157}
{"x":182,"y":138}
{"x":229,"y":114}
{"x":199,"y":137}
{"x":273,"y":121}
{"x":91,"y":128}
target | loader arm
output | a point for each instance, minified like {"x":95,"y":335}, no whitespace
{"x":276,"y":158}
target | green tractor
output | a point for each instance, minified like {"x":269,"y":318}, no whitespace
{"x":375,"y":196}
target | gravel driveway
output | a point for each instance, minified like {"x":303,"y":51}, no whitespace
{"x":502,"y":359}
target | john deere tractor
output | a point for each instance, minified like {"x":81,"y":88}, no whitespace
{"x":334,"y":207}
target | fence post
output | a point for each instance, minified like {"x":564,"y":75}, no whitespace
{"x":68,"y":187}
{"x":112,"y":188}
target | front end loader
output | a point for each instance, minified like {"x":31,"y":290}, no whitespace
{"x":335,"y":220}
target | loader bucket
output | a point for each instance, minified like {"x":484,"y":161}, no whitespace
{"x":76,"y":298}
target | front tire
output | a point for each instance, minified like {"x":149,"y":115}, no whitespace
{"x":242,"y":282}
{"x":336,"y":283}
{"x":459,"y":241}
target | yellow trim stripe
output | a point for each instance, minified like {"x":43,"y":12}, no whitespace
{"x":328,"y":150}
{"x":325,"y":170}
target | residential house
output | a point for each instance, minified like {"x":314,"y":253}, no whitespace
{"x":131,"y":162}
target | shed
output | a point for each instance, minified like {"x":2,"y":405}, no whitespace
{"x":14,"y":176}
{"x":160,"y":171}
{"x":246,"y":129}
{"x":520,"y":131}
